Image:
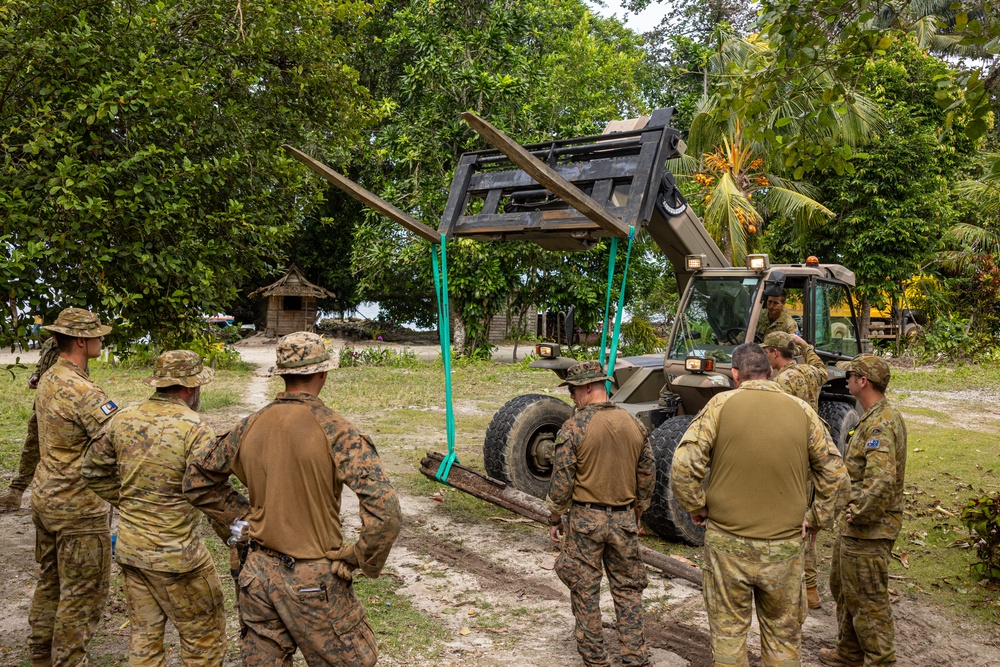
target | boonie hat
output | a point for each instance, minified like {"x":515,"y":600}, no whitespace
{"x":869,"y":365}
{"x":584,"y":372}
{"x":78,"y":323}
{"x":179,"y":367}
{"x":781,"y":340}
{"x":302,"y":353}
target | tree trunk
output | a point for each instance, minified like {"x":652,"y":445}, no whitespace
{"x":457,"y":331}
{"x":864,"y":323}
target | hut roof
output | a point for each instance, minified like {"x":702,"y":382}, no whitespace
{"x":293,"y":283}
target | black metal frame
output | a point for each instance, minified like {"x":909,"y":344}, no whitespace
{"x":516,"y":207}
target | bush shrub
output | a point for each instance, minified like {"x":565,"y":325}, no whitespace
{"x":214,"y":353}
{"x":376,"y":356}
{"x":982,"y":517}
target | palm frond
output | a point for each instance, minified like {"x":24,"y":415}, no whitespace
{"x":795,"y":205}
{"x":721,"y":218}
{"x":985,"y":193}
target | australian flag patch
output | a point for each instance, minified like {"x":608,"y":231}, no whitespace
{"x":872,"y":444}
{"x":109,"y":407}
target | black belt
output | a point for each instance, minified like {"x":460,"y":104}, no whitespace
{"x":285,"y":559}
{"x":607,"y":508}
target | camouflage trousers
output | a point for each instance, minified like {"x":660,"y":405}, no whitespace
{"x":742,"y":573}
{"x":29,"y":456}
{"x":597,"y":540}
{"x":194,"y":603}
{"x":809,"y":563}
{"x":75,"y":561}
{"x":859,"y":582}
{"x":307,"y":607}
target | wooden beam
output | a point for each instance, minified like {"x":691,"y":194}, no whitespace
{"x":497,"y":492}
{"x":547,"y":176}
{"x":364,"y":196}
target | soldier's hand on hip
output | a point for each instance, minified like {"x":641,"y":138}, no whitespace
{"x":342,"y":569}
{"x":33,"y":382}
{"x":698,"y":516}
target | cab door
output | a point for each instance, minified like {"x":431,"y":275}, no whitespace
{"x":830,"y":321}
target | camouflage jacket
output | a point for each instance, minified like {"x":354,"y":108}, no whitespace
{"x":70,"y":411}
{"x":785,"y":322}
{"x":137,"y":463}
{"x":635,"y":459}
{"x":876,"y":462}
{"x":804,"y":380}
{"x":355,"y":463}
{"x":693,"y":457}
{"x":47,"y":356}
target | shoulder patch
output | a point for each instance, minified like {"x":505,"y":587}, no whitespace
{"x":872,"y":444}
{"x":109,"y":408}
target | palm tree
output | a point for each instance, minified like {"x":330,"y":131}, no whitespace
{"x":975,"y":241}
{"x":741,"y":160}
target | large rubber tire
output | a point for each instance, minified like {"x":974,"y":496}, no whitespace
{"x":665,"y":515}
{"x":840,"y":418}
{"x":520,"y":441}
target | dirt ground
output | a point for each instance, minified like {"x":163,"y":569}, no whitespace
{"x":458,"y":571}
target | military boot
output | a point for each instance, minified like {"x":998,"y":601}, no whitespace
{"x":11,"y":500}
{"x":831,"y":656}
{"x":812,"y":598}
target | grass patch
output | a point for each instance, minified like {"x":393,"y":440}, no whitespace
{"x":946,"y":378}
{"x":402,"y":631}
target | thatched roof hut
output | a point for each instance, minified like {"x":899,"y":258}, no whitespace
{"x":291,"y":304}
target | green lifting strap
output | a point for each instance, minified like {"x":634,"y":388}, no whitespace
{"x":613,"y":357}
{"x":607,"y":298}
{"x":444,"y":334}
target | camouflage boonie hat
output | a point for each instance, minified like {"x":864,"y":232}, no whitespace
{"x":302,"y":353}
{"x":78,"y":323}
{"x":781,"y":340}
{"x":584,"y":372}
{"x":872,"y":367}
{"x":179,"y":367}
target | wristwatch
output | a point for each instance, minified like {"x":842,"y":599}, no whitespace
{"x":556,"y":521}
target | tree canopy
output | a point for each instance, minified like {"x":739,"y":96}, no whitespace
{"x":142,"y":174}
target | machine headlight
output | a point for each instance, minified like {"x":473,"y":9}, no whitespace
{"x":699,"y":364}
{"x":547,"y":350}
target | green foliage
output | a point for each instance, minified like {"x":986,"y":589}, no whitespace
{"x":142,"y":174}
{"x":533,"y":68}
{"x":982,"y":517}
{"x":841,"y":36}
{"x":894,"y":207}
{"x":376,"y":356}
{"x":214,"y":353}
{"x":639,"y":337}
{"x":950,"y":338}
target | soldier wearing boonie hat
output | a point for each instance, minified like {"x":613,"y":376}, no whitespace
{"x":603,"y":466}
{"x":295,"y":455}
{"x":11,"y":500}
{"x":159,"y":548}
{"x":859,"y":570}
{"x":72,"y":523}
{"x":806,"y":382}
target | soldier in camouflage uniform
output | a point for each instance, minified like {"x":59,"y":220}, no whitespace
{"x":29,"y":451}
{"x":72,"y":524}
{"x":137,"y":463}
{"x":295,"y":455}
{"x":761,"y":445}
{"x":604,"y":467}
{"x":776,"y":319}
{"x":805,"y":381}
{"x":859,"y":572}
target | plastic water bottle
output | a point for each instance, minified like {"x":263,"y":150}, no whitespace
{"x":114,"y":541}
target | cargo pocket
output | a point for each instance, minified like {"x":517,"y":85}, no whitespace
{"x":356,"y":638}
{"x":194,"y":595}
{"x":870,"y":574}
